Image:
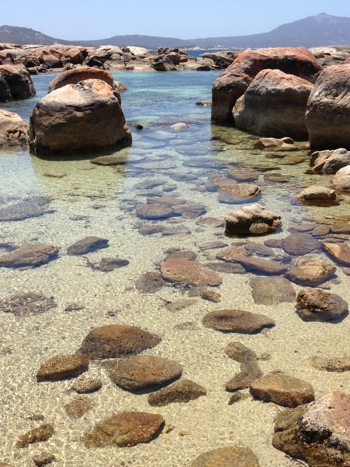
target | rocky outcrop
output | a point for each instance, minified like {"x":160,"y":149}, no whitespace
{"x":13,"y":130}
{"x":86,"y":116}
{"x":318,"y":433}
{"x":235,"y":80}
{"x":328,"y":109}
{"x":15,"y":83}
{"x":274,"y":105}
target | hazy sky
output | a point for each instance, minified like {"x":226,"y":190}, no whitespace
{"x":184,"y":19}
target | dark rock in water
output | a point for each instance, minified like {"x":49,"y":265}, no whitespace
{"x":249,"y":370}
{"x":112,"y":159}
{"x":30,"y":303}
{"x":264,"y":266}
{"x":37,"y":435}
{"x":226,"y":457}
{"x":183,"y":271}
{"x":62,"y":367}
{"x":78,"y":407}
{"x":210,"y":295}
{"x":336,"y":364}
{"x":181,"y":391}
{"x":300,"y":244}
{"x":41,"y":459}
{"x":237,"y":321}
{"x":87,"y":245}
{"x":190,"y":210}
{"x":320,"y":305}
{"x":124,"y":429}
{"x":109,"y":264}
{"x":271,"y":290}
{"x":115,"y":341}
{"x":282,"y":390}
{"x":150,"y":282}
{"x":210,"y":221}
{"x":151,"y":229}
{"x":87,"y":386}
{"x":144,"y":371}
{"x":228,"y":268}
{"x":182,"y":254}
{"x":154,"y":211}
{"x":258,"y":249}
{"x":29,"y":255}
{"x":34,"y":206}
{"x":317,"y":433}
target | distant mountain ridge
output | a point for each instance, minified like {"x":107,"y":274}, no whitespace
{"x":313,"y":31}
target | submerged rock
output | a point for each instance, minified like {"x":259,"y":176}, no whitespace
{"x":143,"y":371}
{"x":237,"y":321}
{"x":62,"y":367}
{"x":37,"y":435}
{"x":226,"y":457}
{"x":282,"y":390}
{"x":116,"y":340}
{"x":27,"y":303}
{"x":271,"y":290}
{"x":249,"y":370}
{"x":184,"y":271}
{"x":124,"y":429}
{"x":87,"y":245}
{"x":182,"y":391}
{"x":29,"y":255}
{"x":310,"y":271}
{"x":339,"y":251}
{"x":336,"y":364}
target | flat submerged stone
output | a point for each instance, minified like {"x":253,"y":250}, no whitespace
{"x":237,"y":321}
{"x":226,"y":457}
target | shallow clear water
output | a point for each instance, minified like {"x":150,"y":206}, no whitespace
{"x":87,"y":199}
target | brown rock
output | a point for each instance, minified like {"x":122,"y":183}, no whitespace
{"x":44,"y":458}
{"x":15,"y":83}
{"x":265,"y":266}
{"x":189,"y":272}
{"x":226,"y":457}
{"x":238,"y":192}
{"x":87,"y":386}
{"x":328,"y":109}
{"x":143,"y":371}
{"x":153,"y":211}
{"x":320,"y":305}
{"x":236,"y":78}
{"x":251,"y":220}
{"x":339,"y":251}
{"x":318,"y":195}
{"x":181,"y":391}
{"x":336,"y":364}
{"x":237,"y":321}
{"x":111,"y":159}
{"x":274,"y":104}
{"x":124,"y":430}
{"x":13,"y":130}
{"x":249,"y":370}
{"x":211,"y":221}
{"x":271,"y":290}
{"x":190,"y":210}
{"x":109,"y":264}
{"x":341,"y":180}
{"x":29,"y":255}
{"x":116,"y":340}
{"x":329,"y":162}
{"x":310,"y":271}
{"x":37,"y":435}
{"x":81,"y":117}
{"x":317,"y":433}
{"x":79,"y":407}
{"x":87,"y":245}
{"x":275,"y":143}
{"x":282,"y":390}
{"x":299,"y":244}
{"x":76,"y":75}
{"x":62,"y":367}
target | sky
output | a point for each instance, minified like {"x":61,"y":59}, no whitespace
{"x":183,"y":19}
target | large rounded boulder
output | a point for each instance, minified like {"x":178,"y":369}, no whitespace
{"x":274,"y":105}
{"x":15,"y":83}
{"x":86,"y":116}
{"x":328,"y":109}
{"x":234,"y":81}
